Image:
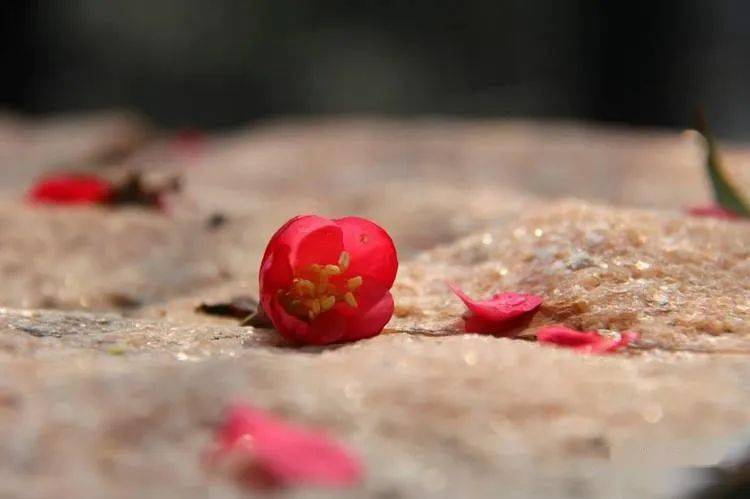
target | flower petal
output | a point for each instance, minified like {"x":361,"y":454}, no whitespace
{"x":583,"y":341}
{"x":71,"y":189}
{"x":713,"y":211}
{"x":500,"y":307}
{"x":566,"y":337}
{"x":325,"y":329}
{"x":310,"y":239}
{"x":371,"y":321}
{"x":289,"y":326}
{"x":276,"y":270}
{"x":370,"y":248}
{"x":612,"y":346}
{"x":286,"y":454}
{"x":275,"y":274}
{"x":506,"y":328}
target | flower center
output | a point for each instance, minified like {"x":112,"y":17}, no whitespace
{"x":318,"y":288}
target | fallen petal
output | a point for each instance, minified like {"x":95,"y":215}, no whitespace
{"x":267,"y":451}
{"x":500,"y":314}
{"x":69,"y":189}
{"x":713,"y":212}
{"x":584,"y":341}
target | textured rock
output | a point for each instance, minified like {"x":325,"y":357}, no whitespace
{"x":100,"y":258}
{"x":339,"y":156}
{"x":123,"y":400}
{"x":30,"y":148}
{"x":96,"y":404}
{"x":684,"y":283}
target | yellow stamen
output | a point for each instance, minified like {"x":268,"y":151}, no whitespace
{"x":332,"y":269}
{"x":303,"y":287}
{"x":320,"y":290}
{"x":354,"y":283}
{"x":350,"y":300}
{"x":327,"y":303}
{"x":344,"y":261}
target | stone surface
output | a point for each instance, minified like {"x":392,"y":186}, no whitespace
{"x":100,"y":403}
{"x":338,"y":157}
{"x":122,"y":400}
{"x":30,"y":148}
{"x":682,"y":282}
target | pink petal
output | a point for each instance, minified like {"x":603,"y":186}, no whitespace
{"x":276,"y":271}
{"x":282,"y":453}
{"x":371,"y":250}
{"x":310,"y":239}
{"x":288,"y":326}
{"x":503,"y":313}
{"x":71,"y":189}
{"x":506,"y":328}
{"x":626,"y":337}
{"x":371,"y":321}
{"x":326,"y":329}
{"x":501,"y":306}
{"x":713,"y":211}
{"x":583,"y":341}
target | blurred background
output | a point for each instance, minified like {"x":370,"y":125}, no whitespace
{"x":221,"y":63}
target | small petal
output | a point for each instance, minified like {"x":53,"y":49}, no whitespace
{"x":501,"y":306}
{"x":71,"y":189}
{"x":274,"y":452}
{"x":506,"y":328}
{"x":626,"y":337}
{"x":502,"y":313}
{"x":584,"y":341}
{"x":713,"y":211}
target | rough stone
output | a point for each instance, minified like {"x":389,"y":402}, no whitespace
{"x":122,"y":400}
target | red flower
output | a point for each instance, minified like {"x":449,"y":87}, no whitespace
{"x":587,"y":342}
{"x":268,"y":452}
{"x":713,"y":211}
{"x":503,"y":314}
{"x":71,"y":189}
{"x":326,"y":281}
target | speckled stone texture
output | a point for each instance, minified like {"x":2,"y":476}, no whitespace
{"x":117,"y":392}
{"x":30,"y":148}
{"x":683,"y":283}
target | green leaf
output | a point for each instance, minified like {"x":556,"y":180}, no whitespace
{"x":726,"y":195}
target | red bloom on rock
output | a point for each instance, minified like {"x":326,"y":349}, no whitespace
{"x":71,"y":189}
{"x":80,"y":188}
{"x":325,"y":281}
{"x":584,"y":341}
{"x":713,"y":211}
{"x":503,"y":314}
{"x":267,"y":452}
